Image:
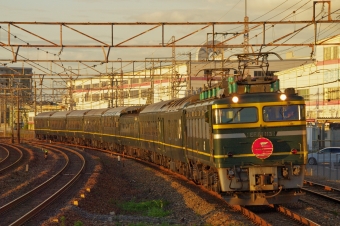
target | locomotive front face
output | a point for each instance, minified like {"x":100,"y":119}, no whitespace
{"x":260,"y":148}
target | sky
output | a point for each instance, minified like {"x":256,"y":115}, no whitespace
{"x":130,"y":10}
{"x":154,"y":11}
{"x":160,"y":11}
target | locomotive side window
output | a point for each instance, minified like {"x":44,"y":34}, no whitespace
{"x":198,"y":132}
{"x":207,"y":131}
{"x":194,"y":130}
{"x":193,"y":127}
{"x":203,"y":128}
{"x":169,"y":131}
{"x":179,"y":129}
{"x":200,"y":128}
{"x":283,"y":113}
{"x":235,"y":115}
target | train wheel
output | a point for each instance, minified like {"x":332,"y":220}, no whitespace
{"x":195,"y":175}
{"x":205,"y":179}
{"x":216,"y":183}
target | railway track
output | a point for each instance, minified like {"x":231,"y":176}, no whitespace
{"x":12,"y":157}
{"x":321,"y":190}
{"x":4,"y":154}
{"x":279,"y":215}
{"x":23,"y":208}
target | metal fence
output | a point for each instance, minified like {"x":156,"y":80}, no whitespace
{"x":320,"y":137}
{"x":327,"y":167}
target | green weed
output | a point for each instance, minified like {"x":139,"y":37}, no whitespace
{"x":154,"y":208}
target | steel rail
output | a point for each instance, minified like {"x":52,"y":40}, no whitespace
{"x":7,"y":155}
{"x":20,"y":199}
{"x":325,"y":188}
{"x":294,"y":216}
{"x":17,"y":161}
{"x":42,"y":206}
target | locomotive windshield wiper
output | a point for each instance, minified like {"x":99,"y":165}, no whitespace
{"x":232,"y":119}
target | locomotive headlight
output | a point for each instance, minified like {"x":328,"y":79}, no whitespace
{"x":235,"y":99}
{"x":283,"y":96}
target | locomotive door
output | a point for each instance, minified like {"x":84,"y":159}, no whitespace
{"x":160,"y":133}
{"x":208,"y":121}
{"x":185,"y":133}
{"x":185,"y":143}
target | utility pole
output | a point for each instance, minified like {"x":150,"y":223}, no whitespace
{"x":188,"y":72}
{"x":150,"y":96}
{"x":116,"y":93}
{"x":18,"y":115}
{"x":35,"y":98}
{"x":112,"y":77}
{"x":246,"y":31}
{"x":12,"y":111}
{"x":71,"y":94}
{"x":173,"y":69}
{"x":41,"y":83}
{"x":71,"y":90}
{"x":246,"y":37}
{"x":5,"y":116}
{"x":152,"y":82}
{"x":121,"y":84}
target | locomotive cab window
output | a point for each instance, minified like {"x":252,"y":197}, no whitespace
{"x":235,"y":115}
{"x":284,"y":113}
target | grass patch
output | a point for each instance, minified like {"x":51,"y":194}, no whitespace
{"x":154,"y":208}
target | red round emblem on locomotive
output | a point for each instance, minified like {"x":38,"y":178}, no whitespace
{"x":262,"y":148}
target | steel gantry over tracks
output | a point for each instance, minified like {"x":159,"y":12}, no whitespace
{"x":113,"y":33}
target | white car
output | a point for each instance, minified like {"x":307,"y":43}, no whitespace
{"x":325,"y":155}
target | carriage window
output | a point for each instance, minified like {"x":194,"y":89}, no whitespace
{"x":194,"y":131}
{"x":179,"y":129}
{"x":203,"y":125}
{"x":207,"y":131}
{"x":235,"y":115}
{"x":284,"y":113}
{"x":198,"y":128}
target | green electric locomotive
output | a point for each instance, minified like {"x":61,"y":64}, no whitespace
{"x":253,"y":143}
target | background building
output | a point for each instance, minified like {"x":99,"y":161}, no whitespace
{"x":157,"y":83}
{"x":15,"y":93}
{"x":318,"y":82}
